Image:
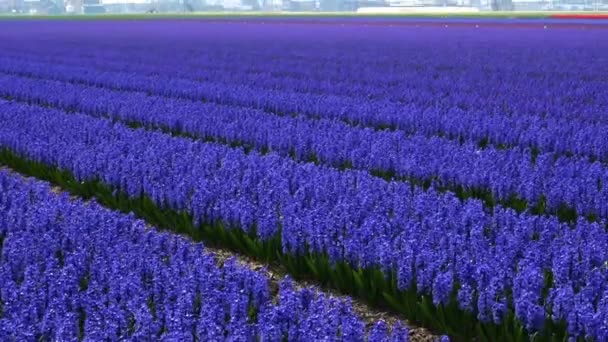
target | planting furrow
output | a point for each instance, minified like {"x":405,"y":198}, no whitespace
{"x":76,"y":271}
{"x":439,"y":260}
{"x":369,"y":315}
{"x":546,"y":184}
{"x":540,"y":134}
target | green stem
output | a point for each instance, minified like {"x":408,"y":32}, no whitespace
{"x":373,"y":285}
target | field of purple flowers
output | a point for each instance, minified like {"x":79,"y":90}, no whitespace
{"x":454,"y":176}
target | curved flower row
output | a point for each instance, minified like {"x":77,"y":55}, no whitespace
{"x":547,"y":134}
{"x":497,"y":264}
{"x":554,"y":181}
{"x":72,"y":271}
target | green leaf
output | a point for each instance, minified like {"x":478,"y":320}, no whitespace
{"x":393,"y":302}
{"x":312,"y":266}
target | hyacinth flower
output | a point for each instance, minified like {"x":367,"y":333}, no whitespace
{"x":547,"y":182}
{"x":129,"y":282}
{"x":481,"y":255}
{"x":566,"y":124}
{"x":429,"y":239}
{"x":431,"y":69}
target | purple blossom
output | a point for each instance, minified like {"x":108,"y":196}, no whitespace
{"x":125,"y":281}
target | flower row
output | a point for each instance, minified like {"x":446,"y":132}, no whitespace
{"x":435,"y":70}
{"x":554,"y":182}
{"x":71,"y":271}
{"x":497,"y":265}
{"x":547,"y":134}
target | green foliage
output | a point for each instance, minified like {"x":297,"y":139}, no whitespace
{"x":564,"y":213}
{"x":82,"y":318}
{"x":377,"y":287}
{"x":252,"y":311}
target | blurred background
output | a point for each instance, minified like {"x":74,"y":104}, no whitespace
{"x":76,"y":7}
